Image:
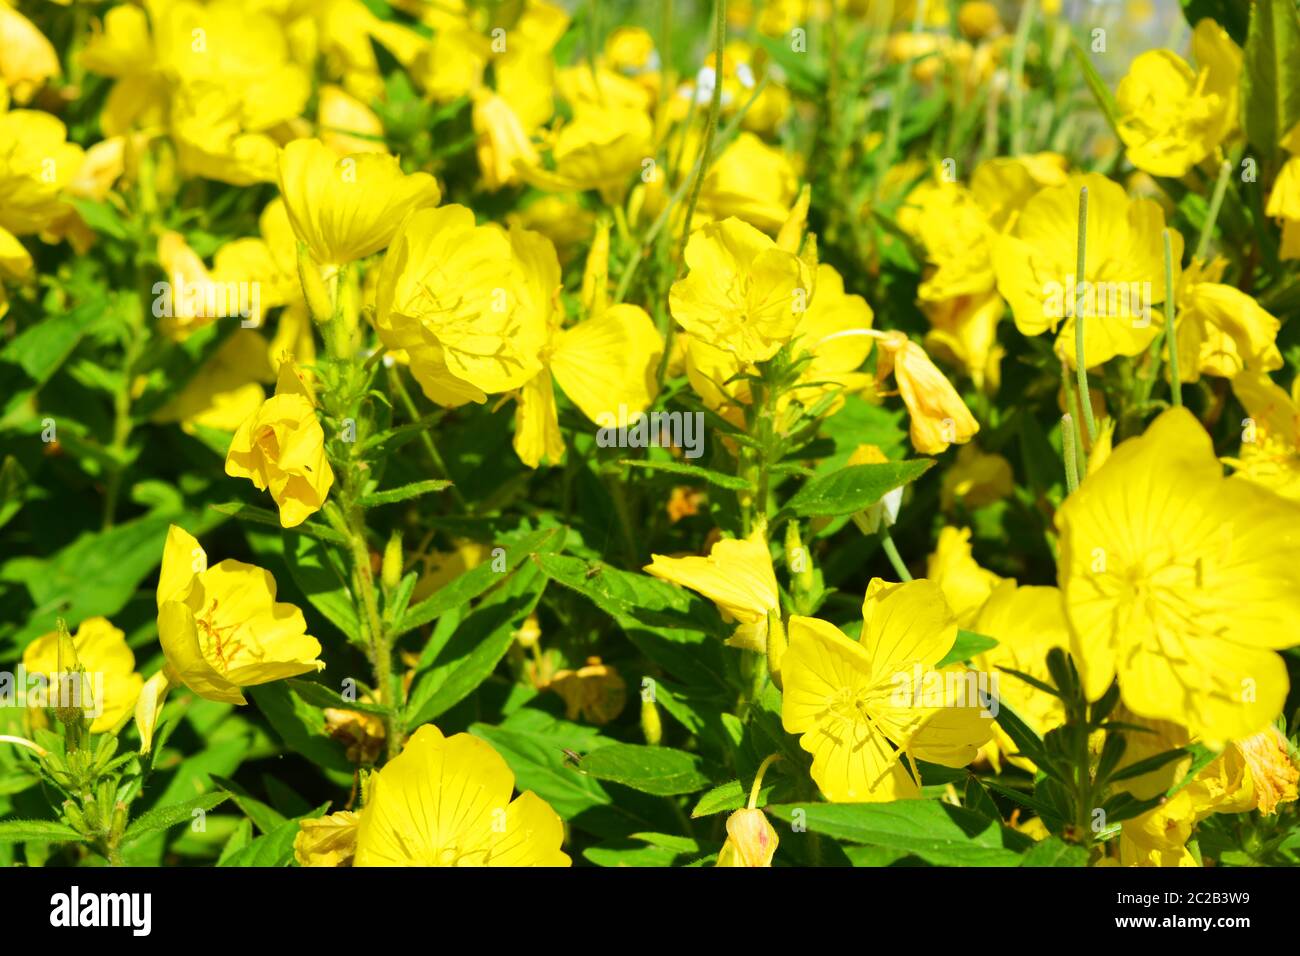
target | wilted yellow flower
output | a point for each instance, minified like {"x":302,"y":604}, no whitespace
{"x":867,"y":710}
{"x":148,"y":707}
{"x":595,"y":692}
{"x":1124,"y":269}
{"x":1182,"y":582}
{"x":281,"y":447}
{"x":938,"y":415}
{"x":455,"y":298}
{"x":27,"y":59}
{"x":1273,"y":774}
{"x":361,"y":734}
{"x":348,"y":208}
{"x":445,"y":801}
{"x":738,"y":577}
{"x":743,"y":293}
{"x":1172,"y":117}
{"x":1270,"y":436}
{"x":110,"y":685}
{"x":751,"y":839}
{"x":221,"y":627}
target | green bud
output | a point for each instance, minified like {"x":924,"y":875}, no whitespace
{"x":651,"y":724}
{"x":391,"y":570}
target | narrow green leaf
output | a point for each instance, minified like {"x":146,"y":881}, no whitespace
{"x":161,"y":818}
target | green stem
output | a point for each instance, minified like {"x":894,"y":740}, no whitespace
{"x":1171,"y":330}
{"x":1216,"y":203}
{"x":891,"y":552}
{"x":426,"y":436}
{"x":1080,"y":363}
{"x":711,"y":129}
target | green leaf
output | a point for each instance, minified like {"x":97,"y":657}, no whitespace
{"x":936,"y":832}
{"x":300,"y":725}
{"x":967,"y":645}
{"x":1100,"y":91}
{"x":1232,"y":15}
{"x":273,"y":849}
{"x":312,"y":567}
{"x":13,"y":488}
{"x":475,"y":649}
{"x":318,"y":695}
{"x":662,"y":771}
{"x":1055,"y":852}
{"x":852,"y":489}
{"x":477,"y":580}
{"x":255,"y":515}
{"x":1270,"y":74}
{"x":730,"y":482}
{"x":32,"y":357}
{"x":1149,"y":765}
{"x":161,"y":818}
{"x":403,"y":493}
{"x":19,"y":831}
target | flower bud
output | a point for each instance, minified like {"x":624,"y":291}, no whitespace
{"x":391,"y":571}
{"x":751,"y":840}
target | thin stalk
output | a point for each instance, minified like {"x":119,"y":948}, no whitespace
{"x":891,"y":552}
{"x":426,"y":437}
{"x":1216,"y":203}
{"x":711,"y":129}
{"x":1080,"y":363}
{"x":1171,"y":331}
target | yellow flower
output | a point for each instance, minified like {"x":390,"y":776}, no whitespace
{"x":978,"y":19}
{"x":1172,"y":117}
{"x":36,"y":165}
{"x":226,"y":389}
{"x":445,"y":801}
{"x":1124,"y":270}
{"x":348,"y":208}
{"x":862,"y":707}
{"x":964,"y":332}
{"x":1221,"y":330}
{"x":938,"y":415}
{"x":327,"y":841}
{"x":110,"y":686}
{"x":347,"y":125}
{"x":1284,"y":200}
{"x":738,"y":577}
{"x":454,"y":296}
{"x":751,"y":839}
{"x":503,"y":141}
{"x":975,"y":479}
{"x":600,"y":148}
{"x":1182,"y":582}
{"x":743,"y":293}
{"x":27,"y":59}
{"x":281,"y":446}
{"x":1270,"y":441}
{"x":606,"y":364}
{"x":221,"y":627}
{"x":594,"y":692}
{"x":965,"y":584}
{"x":1027,"y":622}
{"x":751,"y":181}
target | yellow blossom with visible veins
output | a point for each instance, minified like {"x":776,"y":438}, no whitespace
{"x":103,"y":653}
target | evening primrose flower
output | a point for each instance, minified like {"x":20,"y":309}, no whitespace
{"x":965,"y":584}
{"x":102,"y":652}
{"x":750,"y":181}
{"x":1027,"y":622}
{"x":1036,"y":260}
{"x":454,"y":296}
{"x":858,"y":706}
{"x":221,"y":627}
{"x":605,"y":364}
{"x":348,"y":208}
{"x":964,"y":332}
{"x":27,"y":58}
{"x":445,"y":801}
{"x":938,"y":416}
{"x":1221,"y":330}
{"x":976,"y":479}
{"x":37,"y":164}
{"x":743,"y":294}
{"x":1270,"y":442}
{"x":281,"y":447}
{"x":1172,"y":117}
{"x":1180,"y":582}
{"x":595,"y":692}
{"x":502,"y":141}
{"x":598,"y":149}
{"x":738,"y":577}
{"x":226,"y":389}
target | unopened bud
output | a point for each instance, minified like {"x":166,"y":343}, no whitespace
{"x":652,"y":726}
{"x":391,"y":573}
